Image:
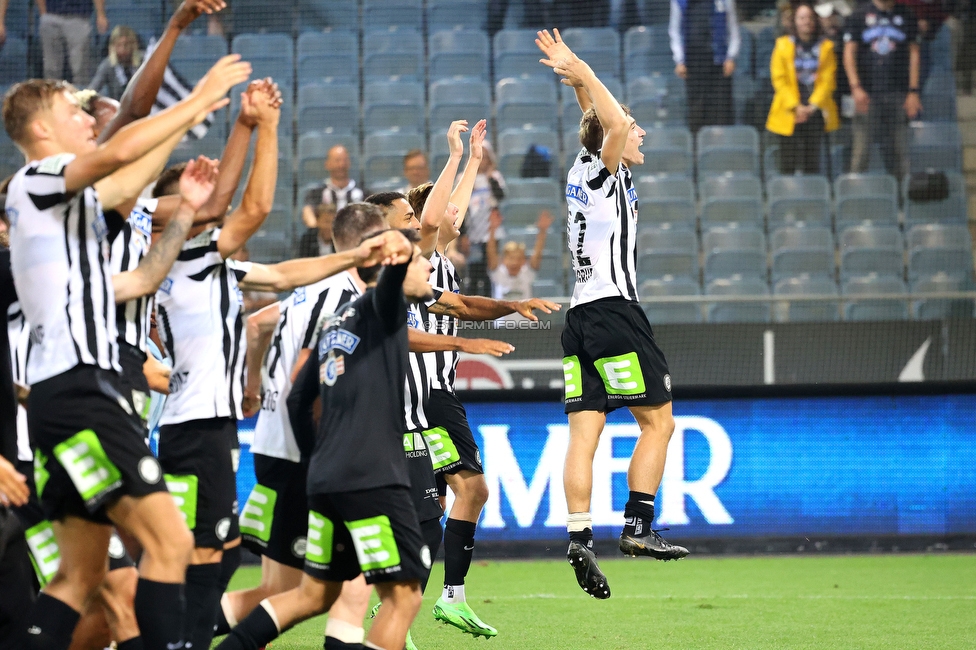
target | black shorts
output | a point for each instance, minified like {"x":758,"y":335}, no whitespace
{"x":610,"y":358}
{"x":90,"y":445}
{"x":423,"y":483}
{"x":374,"y":532}
{"x":274,"y":519}
{"x":449,"y":439}
{"x":200,"y":460}
{"x":134,"y":380}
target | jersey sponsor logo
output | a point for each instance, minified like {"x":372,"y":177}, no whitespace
{"x":166,"y":286}
{"x":632,"y":195}
{"x":576,"y":192}
{"x":12,"y":216}
{"x":339,"y":339}
{"x":413,"y":320}
{"x":99,"y":227}
{"x":141,"y":222}
{"x":333,"y":367}
{"x":298,"y":297}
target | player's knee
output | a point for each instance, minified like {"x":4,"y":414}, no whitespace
{"x":478,"y":489}
{"x":82,"y":578}
{"x":175,"y":549}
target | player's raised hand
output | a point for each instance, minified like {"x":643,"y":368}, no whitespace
{"x":190,"y":10}
{"x":265,"y":101}
{"x":224,"y":75}
{"x":476,"y":141}
{"x":389,"y":247}
{"x":486,"y":346}
{"x":525,"y":307}
{"x":544,"y":221}
{"x":454,"y":137}
{"x":552,"y":45}
{"x":197,"y":181}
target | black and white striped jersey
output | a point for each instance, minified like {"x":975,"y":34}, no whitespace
{"x":200,"y":321}
{"x":19,"y":340}
{"x":59,"y":251}
{"x":441,"y":367}
{"x":298,"y":322}
{"x":602,"y":230}
{"x":128,"y":249}
{"x":418,"y":384}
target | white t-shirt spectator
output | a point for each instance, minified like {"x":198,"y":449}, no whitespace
{"x":512,"y":287}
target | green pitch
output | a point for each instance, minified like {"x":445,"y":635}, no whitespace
{"x":887,"y":601}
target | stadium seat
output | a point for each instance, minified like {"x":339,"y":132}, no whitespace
{"x":314,"y":147}
{"x":523,"y":213}
{"x":261,"y":16}
{"x":380,"y":14}
{"x":598,"y":46}
{"x":934,"y":145}
{"x":937,"y":248}
{"x":270,"y":55}
{"x":872,"y":249}
{"x":316,"y":15}
{"x":939,"y":97}
{"x":731,"y":198}
{"x":734,"y":250}
{"x":384,"y":151}
{"x":449,"y":14}
{"x":328,"y":55}
{"x":940,"y":308}
{"x":866,"y":197}
{"x":194,"y":55}
{"x":667,"y":199}
{"x":571,"y":148}
{"x":394,"y":105}
{"x":798,"y":199}
{"x":393,"y":52}
{"x":514,"y":143}
{"x":537,"y":189}
{"x":145,"y":20}
{"x":325,"y":106}
{"x":739,"y":311}
{"x":268,"y":246}
{"x":667,"y":150}
{"x":515,"y":54}
{"x":878,"y":309}
{"x":13,"y":61}
{"x":570,"y":107}
{"x":950,"y":210}
{"x":743,"y":91}
{"x":547,"y":288}
{"x":666,"y":313}
{"x":527,"y":235}
{"x":523,"y":101}
{"x":458,"y":99}
{"x":664,"y":250}
{"x":806,"y":311}
{"x":458,"y":53}
{"x":646,"y":51}
{"x":803,"y":250}
{"x":728,"y":149}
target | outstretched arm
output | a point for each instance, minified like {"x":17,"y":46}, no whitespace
{"x":545,"y":220}
{"x":461,"y":196}
{"x":440,"y":194}
{"x":421,"y":341}
{"x":554,"y":48}
{"x":140,"y":93}
{"x":121,"y":189}
{"x":260,"y":328}
{"x":476,"y":308}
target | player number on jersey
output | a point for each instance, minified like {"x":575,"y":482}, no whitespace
{"x":579,"y":223}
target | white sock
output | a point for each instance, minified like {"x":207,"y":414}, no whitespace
{"x":266,"y":604}
{"x":345,"y":632}
{"x":225,"y":606}
{"x":577,"y":522}
{"x":453,"y":594}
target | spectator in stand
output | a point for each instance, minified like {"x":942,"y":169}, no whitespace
{"x":115,"y":70}
{"x":883,"y":60}
{"x":66,"y":30}
{"x":416,"y":171}
{"x":803,"y":71}
{"x":338,"y":190}
{"x":489,"y":190}
{"x":704,"y":42}
{"x":512,"y":278}
{"x":930,"y":15}
{"x":318,"y":241}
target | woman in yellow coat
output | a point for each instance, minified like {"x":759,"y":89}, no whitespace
{"x":803,"y":69}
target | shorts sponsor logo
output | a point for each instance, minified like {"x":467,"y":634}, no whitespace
{"x":667,"y":383}
{"x":299,"y":546}
{"x":116,"y":550}
{"x":149,"y":470}
{"x":45,"y":554}
{"x":258,"y":514}
{"x":41,"y":475}
{"x":572,"y":377}
{"x":89,"y":467}
{"x":425,"y":556}
{"x":443,"y":451}
{"x":184,"y":491}
{"x":222,"y":528}
{"x":375,"y":545}
{"x":318,"y":545}
{"x":622,"y":374}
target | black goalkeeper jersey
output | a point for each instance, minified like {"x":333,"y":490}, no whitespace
{"x":358,"y":367}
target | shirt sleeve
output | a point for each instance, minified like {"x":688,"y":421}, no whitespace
{"x":43,"y":182}
{"x":675,"y":33}
{"x":732,"y":24}
{"x":598,"y":177}
{"x":388,"y":297}
{"x":853,"y":27}
{"x":912,"y":34}
{"x":300,"y":401}
{"x":240,"y":269}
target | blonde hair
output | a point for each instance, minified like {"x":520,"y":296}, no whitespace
{"x":513,"y":247}
{"x":118,"y":33}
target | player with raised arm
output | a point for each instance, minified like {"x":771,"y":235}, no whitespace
{"x":78,"y":418}
{"x":362,"y":519}
{"x":611,"y":359}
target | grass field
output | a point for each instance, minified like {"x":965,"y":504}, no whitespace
{"x":881,"y":601}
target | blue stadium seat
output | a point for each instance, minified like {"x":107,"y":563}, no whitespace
{"x":393,"y":52}
{"x":798,"y":199}
{"x":740,"y":311}
{"x":728,"y":149}
{"x":459,"y":53}
{"x":646,"y":51}
{"x":314,"y":147}
{"x":667,"y":150}
{"x":527,"y":235}
{"x":872,"y":249}
{"x":328,"y":55}
{"x":939,"y":96}
{"x":731,"y":198}
{"x":268,"y":246}
{"x":521,"y":101}
{"x":941,"y":308}
{"x":667,"y":313}
{"x":598,"y":46}
{"x":879,"y":309}
{"x":866,"y":197}
{"x":270,"y":55}
{"x":803,"y":250}
{"x":384,"y":151}
{"x":316,"y":15}
{"x":514,"y":143}
{"x":523,"y":213}
{"x":570,"y":106}
{"x":538,"y":189}
{"x":324,"y":106}
{"x":458,"y":99}
{"x":734,"y":250}
{"x":664,"y":250}
{"x":516,"y":54}
{"x":13,"y":61}
{"x":937,"y":248}
{"x":667,"y":199}
{"x":547,"y":288}
{"x":380,"y":14}
{"x":934,"y":145}
{"x":261,"y":16}
{"x":951,"y":210}
{"x":448,"y":14}
{"x":571,"y":148}
{"x":394,"y":105}
{"x":806,"y":311}
{"x":194,"y":55}
{"x":145,"y":20}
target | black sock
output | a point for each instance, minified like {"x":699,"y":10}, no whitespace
{"x":255,"y":631}
{"x":332,"y":643}
{"x":160,"y":609}
{"x":202,"y":601}
{"x":584,"y":537}
{"x":222,"y":627}
{"x":50,"y":624}
{"x":228,"y":566}
{"x":131,"y":644}
{"x":639,"y":514}
{"x":458,"y":548}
